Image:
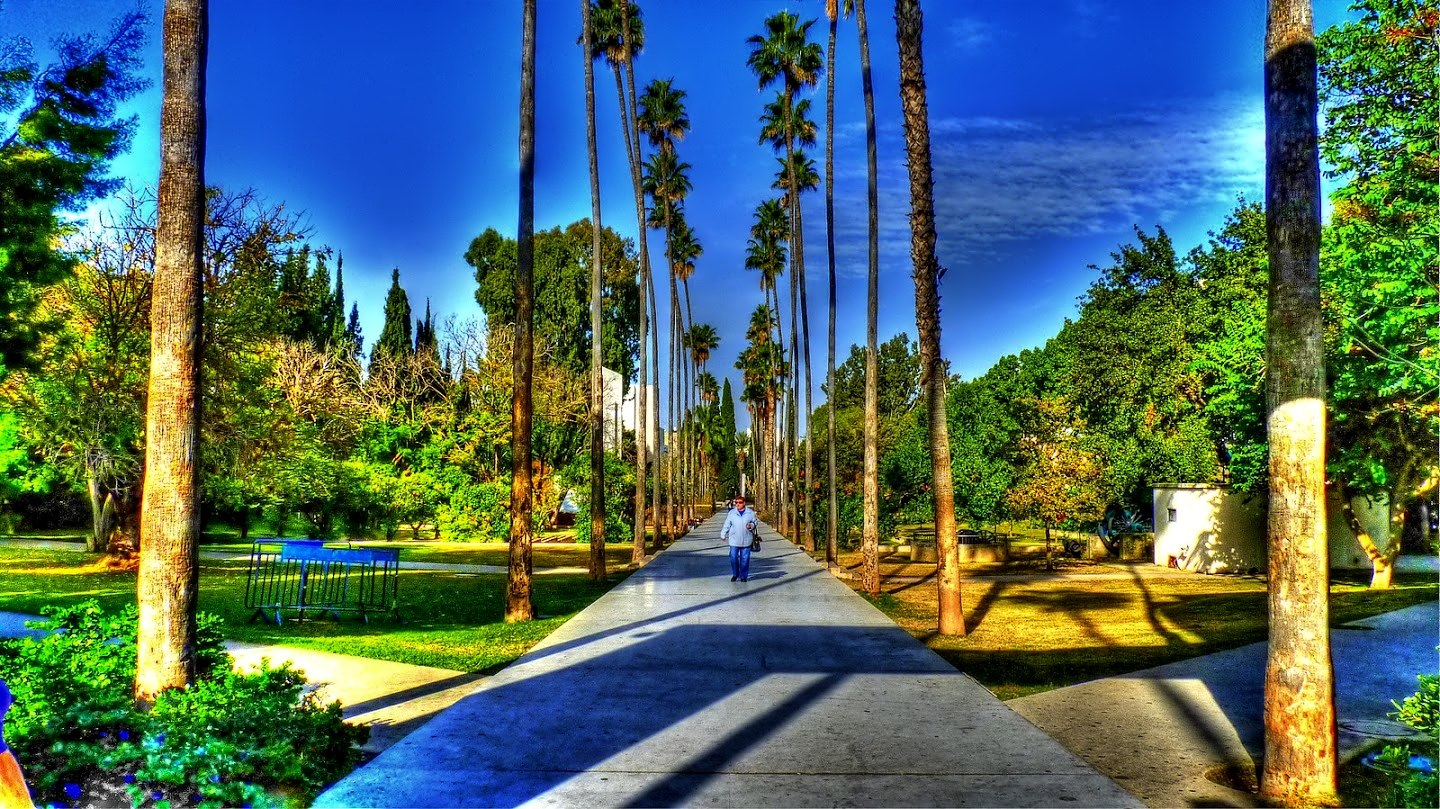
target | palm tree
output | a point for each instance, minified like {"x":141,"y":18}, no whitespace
{"x":662,"y":114}
{"x":870,"y":524}
{"x":908,"y":26}
{"x":763,"y":366}
{"x":619,"y":36}
{"x":1300,"y":734}
{"x":668,"y":182}
{"x":784,"y":53}
{"x":647,"y":292}
{"x":169,"y":576}
{"x":766,"y":253}
{"x":831,"y":529}
{"x":597,"y":379}
{"x":684,"y":250}
{"x":518,"y":603}
{"x":776,"y":118}
{"x":701,"y":339}
{"x":664,"y":119}
{"x":796,"y":177}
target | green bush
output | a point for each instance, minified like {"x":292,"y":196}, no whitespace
{"x":1421,"y":711}
{"x":619,"y":497}
{"x":228,"y":739}
{"x":476,"y":512}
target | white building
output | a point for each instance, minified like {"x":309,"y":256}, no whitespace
{"x":620,"y":409}
{"x":1211,"y":529}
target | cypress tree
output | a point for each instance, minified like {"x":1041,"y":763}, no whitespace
{"x":396,"y":338}
{"x":354,"y":338}
{"x":333,"y":329}
{"x":729,"y":470}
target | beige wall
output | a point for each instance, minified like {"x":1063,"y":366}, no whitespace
{"x":1215,"y":530}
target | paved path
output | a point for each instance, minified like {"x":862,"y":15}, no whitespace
{"x":679,"y":687}
{"x":1159,"y":731}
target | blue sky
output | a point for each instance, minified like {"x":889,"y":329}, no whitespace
{"x":1056,"y":126}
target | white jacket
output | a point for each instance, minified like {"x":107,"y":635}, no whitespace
{"x":739,"y":529}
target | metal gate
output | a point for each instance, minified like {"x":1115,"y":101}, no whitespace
{"x":302,"y":575}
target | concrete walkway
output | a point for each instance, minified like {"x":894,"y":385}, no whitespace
{"x":1158,"y":732}
{"x":679,"y":687}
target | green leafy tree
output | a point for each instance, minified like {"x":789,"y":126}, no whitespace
{"x":1058,"y":479}
{"x":1131,"y":372}
{"x":562,"y":314}
{"x":1380,"y":265}
{"x":59,"y":130}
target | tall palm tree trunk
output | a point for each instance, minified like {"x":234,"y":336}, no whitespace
{"x":169,"y":576}
{"x":832,"y":513}
{"x":870,"y":526}
{"x":518,"y":603}
{"x":632,"y":156}
{"x":597,"y":377}
{"x":1300,"y":731}
{"x":648,"y":291}
{"x":671,"y":433}
{"x":808,"y":499}
{"x":908,"y":32}
{"x":792,"y":432}
{"x":662,"y":536}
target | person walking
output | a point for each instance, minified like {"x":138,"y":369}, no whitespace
{"x":738,"y":532}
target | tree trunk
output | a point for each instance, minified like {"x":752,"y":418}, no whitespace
{"x":661,"y":536}
{"x":908,"y":34}
{"x":671,"y":433}
{"x":99,"y":514}
{"x":808,"y":500}
{"x":1049,"y":549}
{"x":1382,"y":559}
{"x":597,"y":377}
{"x":169,"y":576}
{"x":870,"y":526}
{"x":642,"y":403}
{"x":831,"y":523}
{"x":1300,"y":732}
{"x":518,"y":603}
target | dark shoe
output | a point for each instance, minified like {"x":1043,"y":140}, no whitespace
{"x":733,"y":578}
{"x":747,"y":578}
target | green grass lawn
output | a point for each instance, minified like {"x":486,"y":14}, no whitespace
{"x":551,"y":549}
{"x":451,"y":621}
{"x":1028,"y":636}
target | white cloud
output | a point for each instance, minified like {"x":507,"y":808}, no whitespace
{"x":969,"y":35}
{"x":1003,"y":181}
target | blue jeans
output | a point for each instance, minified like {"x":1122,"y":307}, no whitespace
{"x":740,"y":561}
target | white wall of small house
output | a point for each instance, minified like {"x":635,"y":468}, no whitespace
{"x":1212,"y":529}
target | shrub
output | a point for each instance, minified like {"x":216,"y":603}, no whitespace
{"x":226,"y":740}
{"x":476,"y":512}
{"x":619,"y":497}
{"x":1421,"y":711}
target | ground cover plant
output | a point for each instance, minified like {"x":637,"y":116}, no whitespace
{"x":229,"y":739}
{"x":449,"y":620}
{"x":1401,"y":774}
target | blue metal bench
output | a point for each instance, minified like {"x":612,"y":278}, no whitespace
{"x":303,"y":575}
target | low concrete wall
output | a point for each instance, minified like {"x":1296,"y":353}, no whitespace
{"x":968,"y":553}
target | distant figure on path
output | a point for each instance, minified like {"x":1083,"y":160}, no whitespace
{"x":738,"y":532}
